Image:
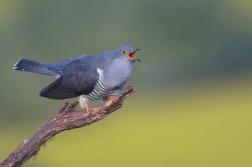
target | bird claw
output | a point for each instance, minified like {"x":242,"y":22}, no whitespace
{"x":87,"y":108}
{"x":112,"y":99}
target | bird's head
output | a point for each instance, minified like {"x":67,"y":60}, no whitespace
{"x":129,"y":51}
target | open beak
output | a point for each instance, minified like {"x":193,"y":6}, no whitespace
{"x":132,"y":55}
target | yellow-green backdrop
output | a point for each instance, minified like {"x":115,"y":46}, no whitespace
{"x":193,"y":104}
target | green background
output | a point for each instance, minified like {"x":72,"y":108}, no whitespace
{"x":192,"y":107}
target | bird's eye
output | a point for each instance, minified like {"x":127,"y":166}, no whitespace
{"x":124,"y":52}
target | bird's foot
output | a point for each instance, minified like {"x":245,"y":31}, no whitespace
{"x":87,"y":108}
{"x":112,"y":99}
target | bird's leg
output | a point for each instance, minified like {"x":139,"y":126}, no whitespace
{"x":112,"y":99}
{"x":87,"y":108}
{"x":84,"y":103}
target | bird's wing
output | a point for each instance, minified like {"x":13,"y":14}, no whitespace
{"x":61,"y":65}
{"x":79,"y":77}
{"x":57,"y":91}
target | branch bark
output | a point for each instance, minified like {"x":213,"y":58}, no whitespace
{"x":65,"y":119}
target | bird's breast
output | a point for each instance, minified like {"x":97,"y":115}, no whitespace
{"x":117,"y":74}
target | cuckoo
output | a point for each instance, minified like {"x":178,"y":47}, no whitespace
{"x":90,"y":77}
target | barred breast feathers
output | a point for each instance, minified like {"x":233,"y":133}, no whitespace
{"x":100,"y":91}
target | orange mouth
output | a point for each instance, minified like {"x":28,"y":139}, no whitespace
{"x":132,"y":56}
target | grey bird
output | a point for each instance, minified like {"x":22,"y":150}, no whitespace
{"x":91,"y":78}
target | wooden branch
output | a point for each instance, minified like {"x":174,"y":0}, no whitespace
{"x":65,"y":119}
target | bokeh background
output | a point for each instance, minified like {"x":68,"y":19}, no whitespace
{"x":193,"y":104}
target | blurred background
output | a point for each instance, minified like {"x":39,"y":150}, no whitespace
{"x":192,"y":107}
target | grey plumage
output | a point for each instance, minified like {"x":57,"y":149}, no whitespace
{"x":36,"y":67}
{"x":54,"y":70}
{"x":79,"y":76}
{"x":100,"y":91}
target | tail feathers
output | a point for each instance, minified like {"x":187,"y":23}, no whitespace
{"x":57,"y":91}
{"x":35,"y":67}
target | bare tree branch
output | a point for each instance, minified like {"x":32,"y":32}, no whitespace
{"x":65,"y":119}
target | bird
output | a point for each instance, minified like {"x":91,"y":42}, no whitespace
{"x":89,"y":77}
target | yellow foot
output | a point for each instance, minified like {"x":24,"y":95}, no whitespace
{"x":87,"y":108}
{"x":112,"y":99}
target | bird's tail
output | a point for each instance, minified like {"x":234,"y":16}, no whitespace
{"x":36,"y":67}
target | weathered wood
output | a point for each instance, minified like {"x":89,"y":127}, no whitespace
{"x":65,"y":119}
